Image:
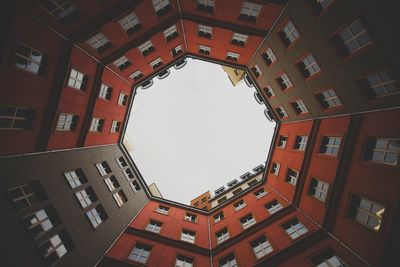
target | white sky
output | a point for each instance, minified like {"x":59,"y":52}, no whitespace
{"x":194,"y":131}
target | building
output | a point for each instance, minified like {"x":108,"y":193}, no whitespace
{"x":326,"y":71}
{"x":235,"y":75}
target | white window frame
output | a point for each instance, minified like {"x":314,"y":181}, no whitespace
{"x":240,"y":37}
{"x":188,"y":236}
{"x":273,"y":208}
{"x":250,"y":9}
{"x":239,"y":205}
{"x":320,"y":189}
{"x":121,"y":99}
{"x":206,"y":49}
{"x":269,"y":55}
{"x":114,"y":126}
{"x":163,"y":210}
{"x":66,"y":122}
{"x":121,"y":61}
{"x":300,"y":107}
{"x":261,"y":247}
{"x":330,"y":98}
{"x":76,"y":79}
{"x":97,"y":125}
{"x":170,"y":32}
{"x":247,"y":221}
{"x":98,"y":41}
{"x":291,"y":32}
{"x":294,"y":228}
{"x":260,"y":193}
{"x":302,"y":143}
{"x":275,"y":168}
{"x":311,"y":65}
{"x":222,"y":235}
{"x":129,"y":21}
{"x":104,"y":90}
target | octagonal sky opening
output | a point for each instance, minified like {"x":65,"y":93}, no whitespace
{"x":194,"y":131}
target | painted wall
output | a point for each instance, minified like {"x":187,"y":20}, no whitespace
{"x":24,"y":89}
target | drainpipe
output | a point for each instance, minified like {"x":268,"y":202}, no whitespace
{"x":209,"y":241}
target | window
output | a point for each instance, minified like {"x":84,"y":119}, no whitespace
{"x":99,"y":42}
{"x":275,"y":168}
{"x":115,"y":126}
{"x":282,"y":141}
{"x":63,"y":10}
{"x":26,"y":195}
{"x":130,"y":23}
{"x":121,"y":162}
{"x":256,"y":70}
{"x":154,"y":226}
{"x":161,"y":7}
{"x":183,"y":261}
{"x":97,"y":125}
{"x":330,"y":145}
{"x":318,"y":6}
{"x":382,"y":150}
{"x":128,"y":174}
{"x":237,"y":191}
{"x":170,"y":33}
{"x":328,"y":258}
{"x":269,"y":56}
{"x":269,"y":91}
{"x":30,"y":59}
{"x":222,"y":235}
{"x":328,"y":99}
{"x":353,"y":38}
{"x":135,"y":186}
{"x":103,"y":168}
{"x":281,"y":112}
{"x":260,"y":193}
{"x":247,"y":221}
{"x":204,"y":49}
{"x":163,"y":210}
{"x":75,"y":178}
{"x":122,"y":99}
{"x":97,"y":215}
{"x":284,"y":81}
{"x":252,"y":182}
{"x":77,"y":80}
{"x":232,"y":56}
{"x":318,"y":189}
{"x":218,"y":217}
{"x":122,"y":63}
{"x":190,"y":217}
{"x":308,"y":66}
{"x":204,"y":31}
{"x":233,"y":183}
{"x":205,"y":5}
{"x":300,"y":143}
{"x":188,"y":236}
{"x":140,"y":253}
{"x":291,"y":176}
{"x":222,"y":200}
{"x":294,"y":228}
{"x":16,"y":118}
{"x":228,"y":261}
{"x":273,"y":206}
{"x":289,"y":34}
{"x":112,"y":183}
{"x":239,"y":205}
{"x":261,"y":247}
{"x":55,"y":247}
{"x":176,"y":51}
{"x":250,"y":11}
{"x":86,"y":197}
{"x":66,"y":122}
{"x":239,"y":39}
{"x":219,"y":190}
{"x":105,"y":91}
{"x":299,"y":107}
{"x":120,"y":198}
{"x":366,"y":212}
{"x":379,"y":84}
{"x":146,"y":48}
{"x":156,"y":63}
{"x":40,"y":221}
